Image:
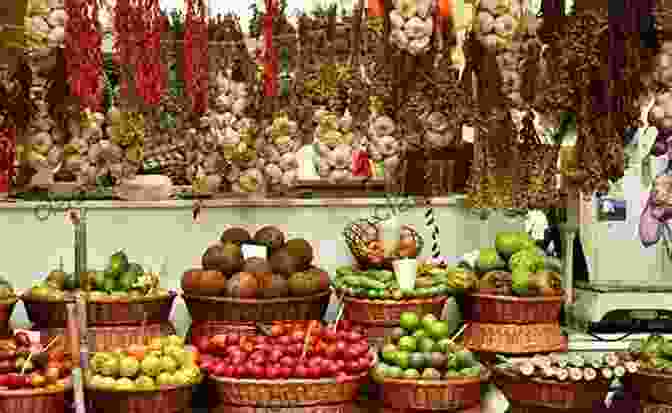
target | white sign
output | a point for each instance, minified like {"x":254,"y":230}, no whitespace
{"x":250,"y":250}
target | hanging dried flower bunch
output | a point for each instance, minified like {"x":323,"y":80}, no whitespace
{"x":83,"y":52}
{"x":196,"y":55}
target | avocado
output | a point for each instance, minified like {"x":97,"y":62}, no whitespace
{"x":271,"y":237}
{"x":416,"y":360}
{"x":286,"y":264}
{"x":235,"y":235}
{"x":226,"y":258}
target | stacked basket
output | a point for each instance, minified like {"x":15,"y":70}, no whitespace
{"x":380,"y":316}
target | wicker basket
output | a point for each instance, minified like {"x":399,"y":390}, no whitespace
{"x":231,"y":309}
{"x":663,"y":13}
{"x":108,"y":338}
{"x":474,"y":409}
{"x":375,"y":333}
{"x":548,"y":393}
{"x":652,"y":407}
{"x":326,"y":408}
{"x":454,"y":394}
{"x":514,"y":338}
{"x":213,"y":328}
{"x":650,"y":385}
{"x":361,"y":232}
{"x":490,"y":308}
{"x":40,"y":400}
{"x":387,"y":312}
{"x":102,"y":313}
{"x":285,"y":393}
{"x":169,"y":399}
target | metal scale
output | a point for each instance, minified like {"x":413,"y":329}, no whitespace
{"x":621,"y":290}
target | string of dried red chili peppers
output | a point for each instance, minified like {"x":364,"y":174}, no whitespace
{"x":196,"y":55}
{"x":270,"y":53}
{"x":83,"y":52}
{"x":129,"y":29}
{"x":150,"y":76}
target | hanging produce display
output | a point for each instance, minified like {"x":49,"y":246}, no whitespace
{"x":84,"y":59}
{"x":150,"y":74}
{"x":196,"y":71}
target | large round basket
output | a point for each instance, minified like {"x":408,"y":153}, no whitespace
{"x":474,"y":409}
{"x":490,"y":308}
{"x":514,"y":338}
{"x":653,"y":407}
{"x":6,"y":310}
{"x":109,"y":338}
{"x":204,"y":309}
{"x":285,"y":393}
{"x":550,"y":394}
{"x":34,"y":400}
{"x":117,"y":311}
{"x":168,"y":399}
{"x":387,"y":312}
{"x":650,"y":385}
{"x":453,"y":394}
{"x":326,"y":408}
{"x":359,"y":233}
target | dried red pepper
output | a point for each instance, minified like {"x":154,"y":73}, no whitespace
{"x":196,"y":55}
{"x":139,"y":26}
{"x":83,"y":52}
{"x":270,"y":53}
{"x":7,"y":157}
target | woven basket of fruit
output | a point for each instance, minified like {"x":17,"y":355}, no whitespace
{"x":253,"y":309}
{"x":156,"y":377}
{"x":653,"y":381}
{"x":514,"y":338}
{"x":52,"y":400}
{"x":421,"y":368}
{"x":327,"y":408}
{"x":233,"y":287}
{"x":560,"y":381}
{"x":109,"y":338}
{"x":364,"y":239}
{"x":492,"y":308}
{"x":122,"y":294}
{"x":387,"y":312}
{"x":298,"y":365}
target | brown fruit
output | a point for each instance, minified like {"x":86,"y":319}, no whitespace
{"x":278,"y":288}
{"x":301,"y":249}
{"x":242,"y":285}
{"x":203,"y":282}
{"x":225,"y":258}
{"x":270,"y":236}
{"x":235,"y":235}
{"x":261,"y":270}
{"x":283,"y":263}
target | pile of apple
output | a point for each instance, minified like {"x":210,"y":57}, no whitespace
{"x":289,"y":350}
{"x":24,"y":364}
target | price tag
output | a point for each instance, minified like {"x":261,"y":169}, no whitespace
{"x":258,"y":251}
{"x":34,"y":336}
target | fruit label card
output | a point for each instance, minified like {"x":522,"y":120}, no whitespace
{"x":257,"y":251}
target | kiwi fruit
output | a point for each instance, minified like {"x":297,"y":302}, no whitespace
{"x":235,"y":235}
{"x":284,"y":263}
{"x":301,"y":249}
{"x":256,"y":265}
{"x":225,"y":258}
{"x":271,"y":237}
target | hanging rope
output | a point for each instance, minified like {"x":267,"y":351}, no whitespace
{"x":430,"y":216}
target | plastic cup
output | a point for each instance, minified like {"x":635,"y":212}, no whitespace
{"x":405,"y":270}
{"x":390,"y":235}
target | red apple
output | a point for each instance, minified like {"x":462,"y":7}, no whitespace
{"x":301,"y":371}
{"x":272,"y":372}
{"x":258,"y":371}
{"x":298,"y":336}
{"x":284,"y":340}
{"x":261,"y":339}
{"x":288,"y":361}
{"x":4,"y":380}
{"x":285,"y":372}
{"x":329,"y":334}
{"x":354,"y":337}
{"x":352,"y":366}
{"x":14,"y":381}
{"x":202,"y":344}
{"x":341,"y":347}
{"x":330,"y":351}
{"x":275,"y":355}
{"x":345,"y":325}
{"x":295,"y":349}
{"x":314,"y":372}
{"x":229,"y":371}
{"x":364,"y":363}
{"x":233,"y":339}
{"x":218,"y":342}
{"x":238,"y":371}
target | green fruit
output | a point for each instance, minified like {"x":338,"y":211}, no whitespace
{"x":397,"y":333}
{"x":118,"y":263}
{"x":394,"y":371}
{"x":127,"y":280}
{"x":466,"y":359}
{"x":452,"y":374}
{"x":428,"y":320}
{"x":70,"y":282}
{"x":110,"y":284}
{"x":489,"y":260}
{"x":426,"y":345}
{"x":379,"y":372}
{"x":418,"y":334}
{"x":508,"y":243}
{"x":99,"y":280}
{"x":402,"y":359}
{"x":409,"y":321}
{"x":389,"y":352}
{"x":520,"y":281}
{"x":665,"y":349}
{"x":439,"y":330}
{"x":443,"y":345}
{"x":408,"y":343}
{"x":452,"y":363}
{"x":474,"y":371}
{"x":371,"y":294}
{"x":411,"y":374}
{"x":416,"y":361}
